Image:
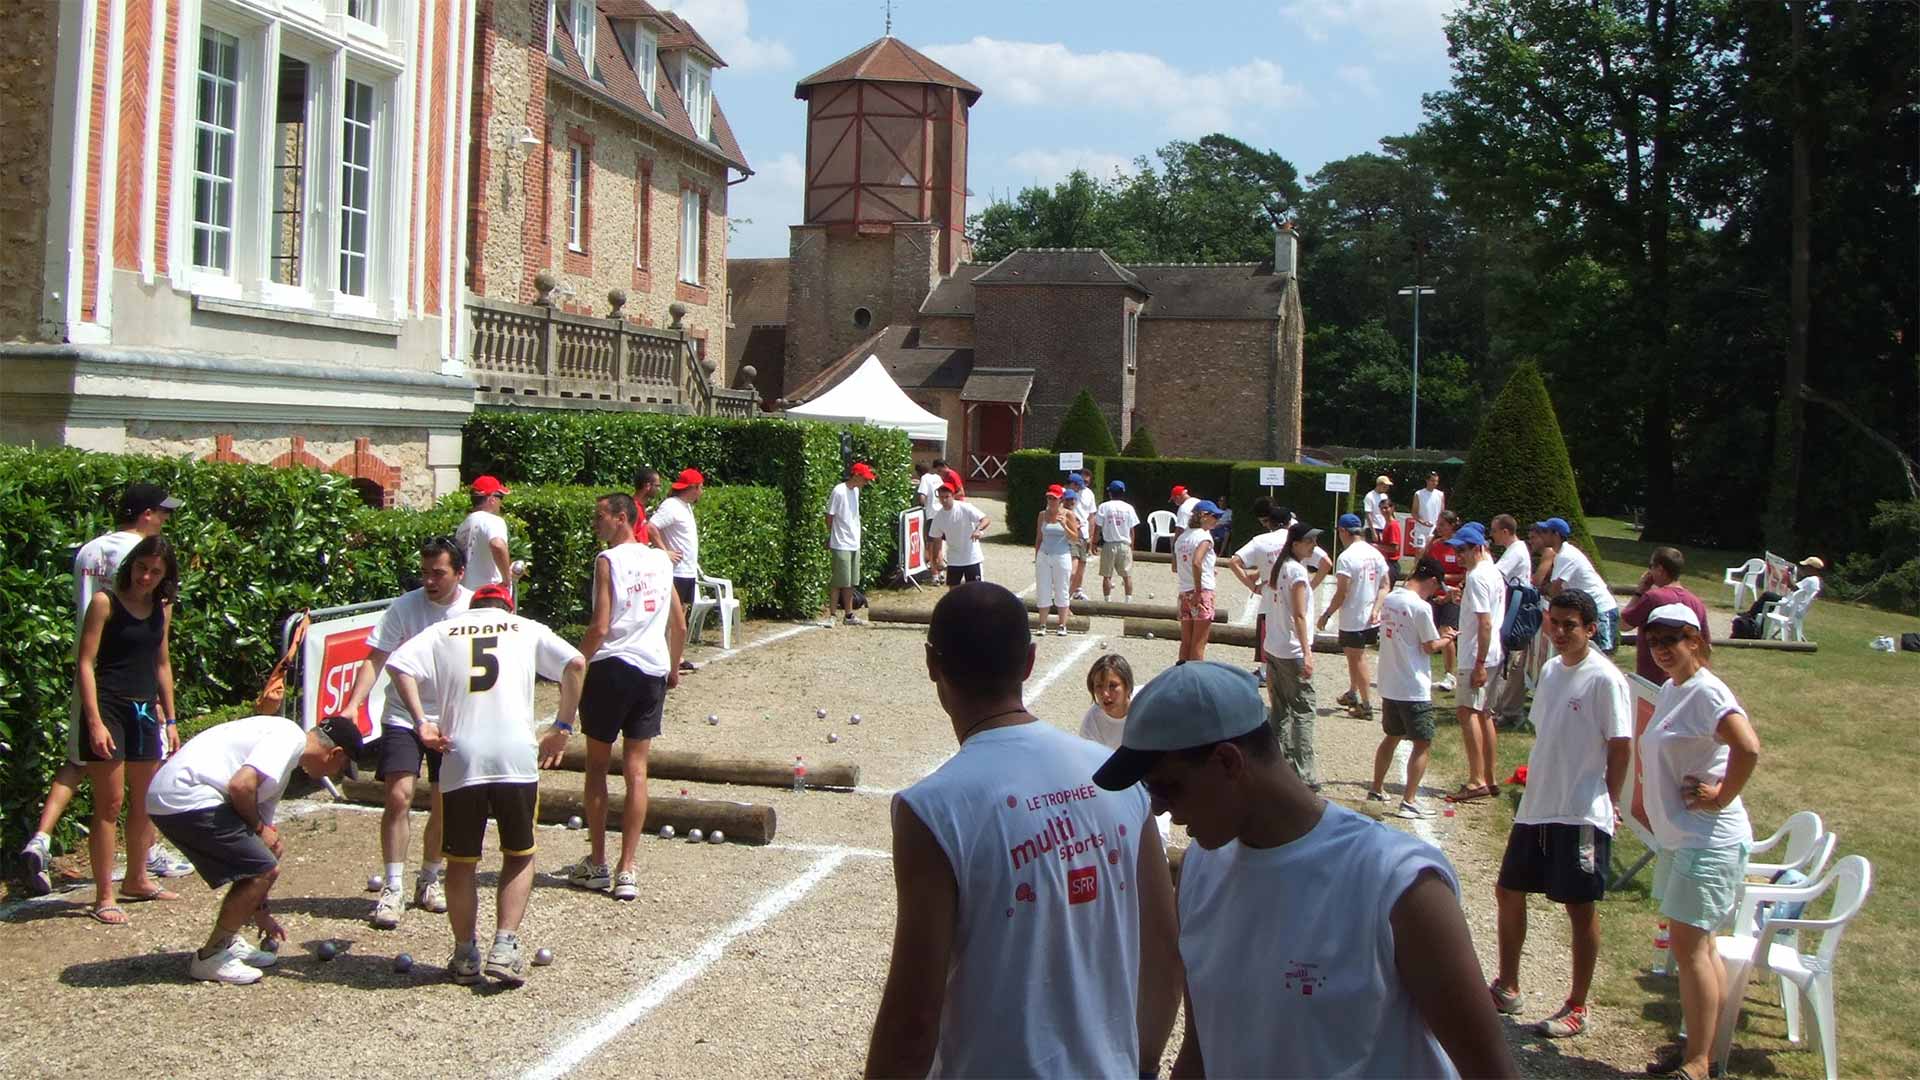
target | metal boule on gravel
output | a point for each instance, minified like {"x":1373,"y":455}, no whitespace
{"x":666,"y":832}
{"x":716,"y":837}
{"x":403,"y":963}
{"x":820,"y":714}
{"x":542,"y":956}
{"x":854,"y":719}
{"x":833,"y":736}
{"x":327,"y":950}
{"x":574,"y":822}
{"x":376,"y":882}
{"x":695,"y":835}
{"x":714,"y":719}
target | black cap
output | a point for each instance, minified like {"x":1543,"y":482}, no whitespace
{"x":344,"y":733}
{"x":140,"y":498}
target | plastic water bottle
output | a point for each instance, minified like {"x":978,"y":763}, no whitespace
{"x":799,"y":774}
{"x":1662,"y":950}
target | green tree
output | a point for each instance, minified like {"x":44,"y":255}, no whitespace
{"x":1359,"y":390}
{"x":1085,"y":429}
{"x":1518,"y":464}
{"x":1141,"y":445}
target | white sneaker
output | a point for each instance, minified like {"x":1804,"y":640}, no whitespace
{"x":1412,"y":812}
{"x":587,"y":874}
{"x":1081,"y":594}
{"x":626,"y":886}
{"x":388,"y":909}
{"x":465,"y":965}
{"x":224,"y":967}
{"x":1445,"y":683}
{"x":35,"y":858}
{"x":506,"y":962}
{"x":250,"y":956}
{"x":430,"y":895}
{"x":162,"y":861}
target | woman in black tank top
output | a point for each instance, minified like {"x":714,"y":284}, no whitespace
{"x":124,"y":680}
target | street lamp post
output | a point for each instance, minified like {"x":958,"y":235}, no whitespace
{"x":1416,"y":291}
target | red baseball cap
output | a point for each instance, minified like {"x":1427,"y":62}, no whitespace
{"x":862,"y":470}
{"x":689,"y":478}
{"x":490,"y":485}
{"x":1056,"y":492}
{"x":1178,"y":490}
{"x":495,"y":591}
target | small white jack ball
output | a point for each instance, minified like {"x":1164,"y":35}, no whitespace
{"x":833,"y":736}
{"x":376,"y":882}
{"x":542,"y":956}
{"x":854,"y":719}
{"x":716,"y":837}
{"x":666,"y":832}
{"x":695,"y":835}
{"x":713,"y":719}
{"x":820,"y":713}
{"x":403,"y":963}
{"x":574,"y":822}
{"x":1149,"y":635}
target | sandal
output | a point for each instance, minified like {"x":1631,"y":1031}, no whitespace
{"x":1469,"y":794}
{"x":158,"y":893}
{"x":111,"y":915}
{"x":1668,"y":1063}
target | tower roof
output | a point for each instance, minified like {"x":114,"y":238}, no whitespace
{"x":886,"y":60}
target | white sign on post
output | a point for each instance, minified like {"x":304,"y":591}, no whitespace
{"x":1072,"y":462}
{"x":1272,"y":476}
{"x":913,"y":550}
{"x":1339,"y":481}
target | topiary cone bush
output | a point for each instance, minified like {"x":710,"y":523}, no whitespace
{"x":1085,"y":429}
{"x":1141,"y":445}
{"x":1519,"y":464}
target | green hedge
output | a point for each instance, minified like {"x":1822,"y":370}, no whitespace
{"x":1519,"y":464}
{"x":1141,"y":445}
{"x":1305,"y":493}
{"x":1084,"y":428}
{"x":1029,"y":474}
{"x":1408,"y":475}
{"x":1150,"y":480}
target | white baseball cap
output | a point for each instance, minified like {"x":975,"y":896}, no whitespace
{"x":1185,"y":707}
{"x":1673,"y":615}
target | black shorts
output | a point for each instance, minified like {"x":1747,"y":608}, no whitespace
{"x":621,"y":701}
{"x":1359,"y":639}
{"x":219,"y":843}
{"x":1567,"y":862}
{"x":400,"y":752}
{"x":1445,"y":615}
{"x":957,"y":575}
{"x":513,"y":807}
{"x":684,"y":586}
{"x":134,"y":725}
{"x":1407,"y":719}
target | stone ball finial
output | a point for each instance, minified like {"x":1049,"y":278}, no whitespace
{"x":616,"y":301}
{"x":706,"y":366}
{"x":678,"y":313}
{"x":544,"y":283}
{"x":749,"y":373}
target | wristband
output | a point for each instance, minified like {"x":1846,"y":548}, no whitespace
{"x":562,"y":725}
{"x":173,"y":723}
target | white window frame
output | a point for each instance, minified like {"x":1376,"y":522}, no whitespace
{"x":320,"y":67}
{"x":354,"y":91}
{"x":646,"y":64}
{"x":692,"y":222}
{"x":582,"y":17}
{"x":553,"y":19}
{"x":696,"y":94}
{"x":576,"y":195}
{"x":223,"y":280}
{"x":642,"y":209}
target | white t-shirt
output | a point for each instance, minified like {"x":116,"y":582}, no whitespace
{"x":95,"y":565}
{"x":1427,"y":504}
{"x":1184,"y":549}
{"x":1280,"y":641}
{"x":1257,"y":555}
{"x":481,"y":665}
{"x":1376,"y":517}
{"x":1046,"y":960}
{"x":1097,"y":726}
{"x":1366,"y":572}
{"x":1183,"y":514}
{"x":1084,"y":502}
{"x":844,"y":506}
{"x":1117,"y":519}
{"x":1283,"y":982}
{"x":1481,"y":591}
{"x":1679,"y":743}
{"x":1516,"y":564}
{"x":956,"y":527}
{"x":404,"y":618}
{"x":1573,"y":567}
{"x":1575,"y":711}
{"x":476,"y":536}
{"x":1406,"y":669}
{"x":642,"y":580}
{"x":929,"y":491}
{"x":195,"y":777}
{"x":674,"y":519}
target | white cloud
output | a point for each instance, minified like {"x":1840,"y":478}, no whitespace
{"x":724,"y":24}
{"x":1186,"y":102}
{"x":1360,"y":77}
{"x":1047,"y":165}
{"x":1404,"y":21}
{"x":771,"y":199}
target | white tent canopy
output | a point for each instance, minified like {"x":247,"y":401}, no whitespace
{"x":870,"y":396}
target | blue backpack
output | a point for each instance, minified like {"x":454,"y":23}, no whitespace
{"x":1523,"y":618}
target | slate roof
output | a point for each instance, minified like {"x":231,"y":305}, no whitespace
{"x":680,"y":34}
{"x":1212,"y":290}
{"x":620,"y":86}
{"x":998,"y":384}
{"x":1059,"y":266}
{"x":954,"y":294}
{"x":913,"y":366}
{"x":759,"y":291}
{"x":887,"y":60}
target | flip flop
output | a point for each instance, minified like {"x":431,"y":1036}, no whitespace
{"x":105,"y":915}
{"x":1469,"y":794}
{"x":157,"y":894}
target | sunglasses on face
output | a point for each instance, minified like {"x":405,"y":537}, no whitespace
{"x":1664,"y":641}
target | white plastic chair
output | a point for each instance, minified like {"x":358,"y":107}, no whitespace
{"x":1786,"y":619}
{"x":1809,"y":974}
{"x":712,"y":594}
{"x":1798,"y":844}
{"x":1159,"y":524}
{"x":1746,"y":581}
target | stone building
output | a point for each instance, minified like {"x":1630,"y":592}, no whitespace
{"x":1209,"y":356}
{"x":233,"y":231}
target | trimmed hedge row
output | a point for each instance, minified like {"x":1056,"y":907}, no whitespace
{"x":802,"y":460}
{"x":1029,"y":474}
{"x":1408,"y":475}
{"x":1305,"y":493}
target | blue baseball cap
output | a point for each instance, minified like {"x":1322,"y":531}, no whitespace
{"x":1206,"y":507}
{"x":1472,"y":534}
{"x":1555,"y":525}
{"x":1349,"y":522}
{"x":1116,"y":485}
{"x":1192,"y":705}
{"x":1073,"y":479}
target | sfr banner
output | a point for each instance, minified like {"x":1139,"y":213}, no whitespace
{"x":328,"y":660}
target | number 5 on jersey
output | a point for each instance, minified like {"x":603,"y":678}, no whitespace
{"x":486,"y":666}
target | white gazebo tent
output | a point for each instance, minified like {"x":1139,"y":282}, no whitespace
{"x":870,"y":396}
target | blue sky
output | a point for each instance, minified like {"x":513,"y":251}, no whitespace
{"x":1083,"y":83}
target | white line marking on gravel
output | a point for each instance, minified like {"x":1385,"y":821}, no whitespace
{"x":1023,"y":593}
{"x":882,"y":792}
{"x":578,"y":1049}
{"x":1422,"y":828}
{"x":1035,"y":689}
{"x":768,"y":640}
{"x":828,"y":849}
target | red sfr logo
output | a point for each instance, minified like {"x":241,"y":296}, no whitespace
{"x":340,"y":658}
{"x":1083,"y":885}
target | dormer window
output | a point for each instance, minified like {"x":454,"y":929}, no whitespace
{"x":643,"y":52}
{"x":696,"y":91}
{"x":578,"y":17}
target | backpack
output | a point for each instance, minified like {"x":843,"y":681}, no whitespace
{"x":1523,"y":618}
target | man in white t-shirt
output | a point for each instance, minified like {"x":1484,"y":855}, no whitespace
{"x":1562,"y":834}
{"x":843,"y":539}
{"x":1507,"y":690}
{"x":673,"y":523}
{"x":399,"y":749}
{"x":1252,"y":563}
{"x":1408,"y":640}
{"x":926,"y":492}
{"x":1376,"y":513}
{"x":480,"y":666}
{"x":1572,"y":569}
{"x":215,"y":798}
{"x":1183,"y":505}
{"x":1383,"y":982}
{"x":1080,"y":501}
{"x":1361,"y":575}
{"x":144,"y":511}
{"x":1035,"y":933}
{"x":1483,"y":607}
{"x":958,"y":526}
{"x":633,"y":644}
{"x":1117,"y":520}
{"x":1427,"y":504}
{"x":483,"y":536}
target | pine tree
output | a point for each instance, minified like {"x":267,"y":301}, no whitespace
{"x":1141,"y":445}
{"x":1085,"y":429}
{"x":1519,"y":464}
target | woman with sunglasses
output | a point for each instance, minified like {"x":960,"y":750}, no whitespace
{"x":1697,"y":754}
{"x":124,"y":679}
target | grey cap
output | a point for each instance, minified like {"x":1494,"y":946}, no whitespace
{"x":1192,"y":705}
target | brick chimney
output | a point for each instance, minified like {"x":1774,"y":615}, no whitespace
{"x":1286,"y":251}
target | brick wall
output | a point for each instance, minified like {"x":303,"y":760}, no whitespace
{"x":1072,"y":336}
{"x":1205,"y":388}
{"x":832,"y":272}
{"x":26,"y":85}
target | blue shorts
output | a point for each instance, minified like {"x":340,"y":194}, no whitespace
{"x":1697,"y":886}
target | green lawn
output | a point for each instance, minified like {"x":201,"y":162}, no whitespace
{"x":1827,"y":721}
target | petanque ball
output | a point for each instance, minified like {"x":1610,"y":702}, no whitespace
{"x":403,"y":963}
{"x":270,"y":944}
{"x":574,"y":822}
{"x":376,"y":882}
{"x":854,"y":719}
{"x":695,"y":835}
{"x":666,"y":832}
{"x":832,"y":737}
{"x":716,"y":837}
{"x":1149,"y":634}
{"x":542,"y":956}
{"x":327,"y":950}
{"x":714,"y":719}
{"x":820,"y":713}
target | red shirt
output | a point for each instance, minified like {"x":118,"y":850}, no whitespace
{"x":952,"y":480}
{"x":1448,"y":557}
{"x":1636,"y":613}
{"x":1391,"y":538}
